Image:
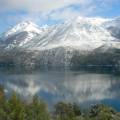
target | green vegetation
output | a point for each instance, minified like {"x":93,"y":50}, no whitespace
{"x":15,"y":109}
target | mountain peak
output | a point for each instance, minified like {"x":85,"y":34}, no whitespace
{"x":27,"y":26}
{"x":26,"y":23}
{"x":91,"y":20}
{"x":84,"y":32}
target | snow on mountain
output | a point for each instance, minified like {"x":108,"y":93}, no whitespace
{"x":21,"y":34}
{"x":94,"y":21}
{"x":113,"y":27}
{"x":23,"y":26}
{"x":72,"y":43}
{"x":81,"y":33}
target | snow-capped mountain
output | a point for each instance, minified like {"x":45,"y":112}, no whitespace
{"x":114,"y":27}
{"x":21,"y":34}
{"x":82,"y":33}
{"x":71,"y":43}
{"x":27,"y":26}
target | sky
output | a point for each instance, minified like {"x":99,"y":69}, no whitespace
{"x":54,"y":11}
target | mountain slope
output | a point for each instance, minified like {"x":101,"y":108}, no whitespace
{"x":84,"y":41}
{"x":20,"y":34}
{"x":83,"y":33}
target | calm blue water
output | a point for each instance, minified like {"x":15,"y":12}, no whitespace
{"x":72,"y":86}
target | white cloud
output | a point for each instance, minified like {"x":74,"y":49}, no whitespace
{"x":43,"y":10}
{"x":49,"y":5}
{"x":37,"y":5}
{"x":86,"y":8}
{"x":68,"y":13}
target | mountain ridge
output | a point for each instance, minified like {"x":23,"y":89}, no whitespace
{"x":84,"y":41}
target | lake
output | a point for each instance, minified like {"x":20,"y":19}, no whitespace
{"x":52,"y":86}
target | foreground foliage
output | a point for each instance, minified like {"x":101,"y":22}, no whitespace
{"x":15,"y":109}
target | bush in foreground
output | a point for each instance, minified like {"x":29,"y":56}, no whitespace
{"x":15,"y":109}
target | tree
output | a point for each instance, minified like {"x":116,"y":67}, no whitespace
{"x":2,"y":104}
{"x":76,"y":109}
{"x":15,"y":108}
{"x":101,"y":112}
{"x":1,"y":93}
{"x":37,"y":110}
{"x":64,"y":111}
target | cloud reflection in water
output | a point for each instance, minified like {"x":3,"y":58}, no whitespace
{"x":63,"y":86}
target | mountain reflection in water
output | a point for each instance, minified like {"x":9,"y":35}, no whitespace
{"x":72,"y":86}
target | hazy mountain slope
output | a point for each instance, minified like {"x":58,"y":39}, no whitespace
{"x":113,"y":27}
